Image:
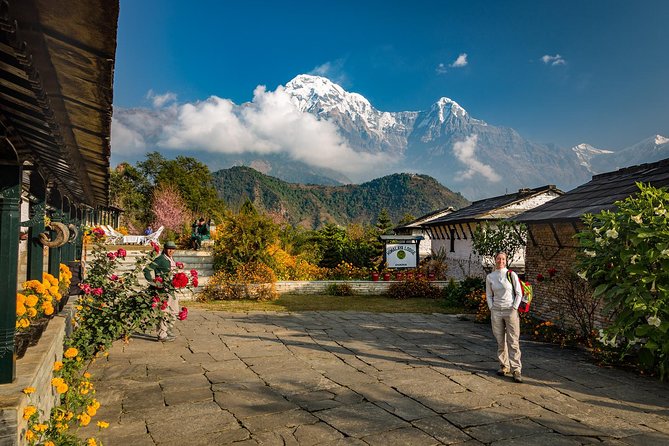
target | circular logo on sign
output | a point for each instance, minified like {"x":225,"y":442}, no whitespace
{"x":401,"y":254}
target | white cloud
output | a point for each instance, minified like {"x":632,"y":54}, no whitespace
{"x":126,"y":140}
{"x":465,"y":152}
{"x":269,"y":124}
{"x":553,"y":60}
{"x":441,"y":69}
{"x":160,"y":100}
{"x":333,"y":70}
{"x":460,"y":62}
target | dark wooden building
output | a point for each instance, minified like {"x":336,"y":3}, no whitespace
{"x":56,"y":78}
{"x":552,"y":226}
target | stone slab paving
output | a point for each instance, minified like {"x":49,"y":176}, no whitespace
{"x":345,"y":378}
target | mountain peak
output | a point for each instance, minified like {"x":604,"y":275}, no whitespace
{"x":659,"y":139}
{"x":447,"y":106}
{"x":319,"y":94}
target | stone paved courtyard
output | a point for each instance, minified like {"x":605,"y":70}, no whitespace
{"x":341,"y":378}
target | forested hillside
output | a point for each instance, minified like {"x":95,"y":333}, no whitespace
{"x":312,"y":206}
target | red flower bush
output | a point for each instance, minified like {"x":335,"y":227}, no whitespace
{"x":113,"y":277}
{"x":163,"y":305}
{"x":155,"y":246}
{"x":98,"y":232}
{"x":194,"y":281}
{"x":96,"y":291}
{"x":180,"y":265}
{"x":180,"y":280}
{"x":121,"y":253}
{"x":111,"y":255}
{"x":193,"y":273}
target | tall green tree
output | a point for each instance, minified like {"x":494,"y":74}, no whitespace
{"x":130,"y":190}
{"x":190,"y":176}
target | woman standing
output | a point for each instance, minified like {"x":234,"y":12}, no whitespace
{"x":161,"y":267}
{"x":504,"y":316}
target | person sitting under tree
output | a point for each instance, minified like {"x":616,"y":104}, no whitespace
{"x":200,"y":232}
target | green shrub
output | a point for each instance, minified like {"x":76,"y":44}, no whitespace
{"x":625,"y":258}
{"x":412,"y":288}
{"x":339,"y":289}
{"x":458,"y":294}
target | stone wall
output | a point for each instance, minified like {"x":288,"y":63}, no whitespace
{"x":545,"y":251}
{"x":33,"y":370}
{"x":360,"y":287}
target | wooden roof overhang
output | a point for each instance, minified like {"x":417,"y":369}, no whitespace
{"x":56,"y":84}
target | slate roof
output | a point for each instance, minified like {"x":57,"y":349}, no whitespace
{"x":490,"y":208}
{"x":56,"y":79}
{"x":598,"y":194}
{"x":417,"y":223}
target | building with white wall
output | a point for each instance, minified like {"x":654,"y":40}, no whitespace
{"x":453,"y":232}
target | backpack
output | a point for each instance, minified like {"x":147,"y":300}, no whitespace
{"x":526,"y":289}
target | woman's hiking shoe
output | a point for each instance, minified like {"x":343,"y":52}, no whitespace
{"x":517,"y":377}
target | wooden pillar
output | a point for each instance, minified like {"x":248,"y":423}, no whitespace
{"x":10,"y":216}
{"x":57,"y":216}
{"x":36,"y":215}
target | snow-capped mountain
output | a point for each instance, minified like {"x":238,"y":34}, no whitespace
{"x":649,"y":150}
{"x":446,"y":142}
{"x":585,"y":153}
{"x":365,"y":127}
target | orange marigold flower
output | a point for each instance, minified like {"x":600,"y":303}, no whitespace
{"x":84,"y":419}
{"x":29,"y":411}
{"x":103,"y":424}
{"x":31,"y":312}
{"x":31,"y":300}
{"x":30,"y":435}
{"x":71,"y":352}
{"x":62,"y":388}
{"x":91,"y":442}
{"x":20,"y":298}
{"x":57,"y":366}
{"x":29,"y":390}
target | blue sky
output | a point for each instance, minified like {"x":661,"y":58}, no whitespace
{"x":562,"y":72}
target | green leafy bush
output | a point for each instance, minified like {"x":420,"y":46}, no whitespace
{"x":339,"y":289}
{"x":412,"y":288}
{"x":625,"y":258}
{"x":459,"y":294}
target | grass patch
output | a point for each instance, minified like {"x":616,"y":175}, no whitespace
{"x":302,"y":302}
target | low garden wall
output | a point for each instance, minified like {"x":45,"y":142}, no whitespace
{"x":360,"y":287}
{"x":35,"y":369}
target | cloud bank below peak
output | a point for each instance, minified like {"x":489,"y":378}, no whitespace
{"x":269,"y":124}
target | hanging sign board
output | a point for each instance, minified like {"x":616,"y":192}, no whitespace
{"x":401,"y":255}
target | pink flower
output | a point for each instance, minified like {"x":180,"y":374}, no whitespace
{"x":113,"y":277}
{"x":180,"y":265}
{"x":111,"y":255}
{"x":121,"y":253}
{"x":86,"y":288}
{"x":193,"y":272}
{"x":540,"y":277}
{"x":163,"y":305}
{"x":158,"y":279}
{"x":183,"y":314}
{"x":96,"y":291}
{"x":194,"y":281}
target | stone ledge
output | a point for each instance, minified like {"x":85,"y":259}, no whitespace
{"x":363,"y":287}
{"x":33,"y":370}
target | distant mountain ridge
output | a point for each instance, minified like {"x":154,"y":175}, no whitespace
{"x":314,"y":205}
